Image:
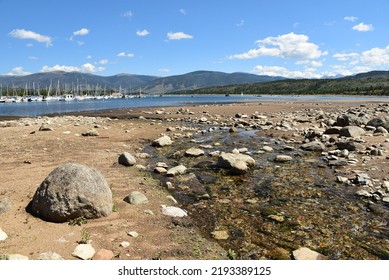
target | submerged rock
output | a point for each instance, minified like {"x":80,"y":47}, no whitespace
{"x":237,"y":164}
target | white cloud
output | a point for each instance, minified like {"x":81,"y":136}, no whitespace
{"x":142,"y":33}
{"x":376,"y":57}
{"x":286,"y":46}
{"x":124,"y":54}
{"x":362,"y":27}
{"x":350,"y":18}
{"x":346,"y":56}
{"x":127,"y":14}
{"x":178,"y":36}
{"x":18,"y":71}
{"x":240,"y":24}
{"x":103,"y":61}
{"x":81,"y":32}
{"x":310,"y":63}
{"x":183,"y":11}
{"x":85,"y":68}
{"x":284,"y":72}
{"x":26,"y":34}
{"x":165,"y":70}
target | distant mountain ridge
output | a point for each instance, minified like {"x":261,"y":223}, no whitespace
{"x":131,"y":82}
{"x":200,"y":82}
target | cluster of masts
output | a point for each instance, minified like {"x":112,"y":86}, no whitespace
{"x":34,"y":94}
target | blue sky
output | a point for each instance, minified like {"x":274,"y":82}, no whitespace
{"x":303,"y":38}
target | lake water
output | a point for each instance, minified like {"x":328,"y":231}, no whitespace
{"x":32,"y":109}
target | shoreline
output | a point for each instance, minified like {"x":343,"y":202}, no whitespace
{"x":29,"y":154}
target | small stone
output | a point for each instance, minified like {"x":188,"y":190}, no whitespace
{"x":160,"y":170}
{"x":45,"y":127}
{"x":126,"y":159}
{"x":148,"y":212}
{"x":91,"y":132}
{"x":103,"y":254}
{"x":364,"y":193}
{"x":3,"y":235}
{"x":125,"y":244}
{"x":220,"y":234}
{"x":135,"y":198}
{"x":172,"y":199}
{"x":162,"y":141}
{"x":277,"y":218}
{"x":267,"y":148}
{"x":178,"y":170}
{"x":133,"y":234}
{"x":49,"y":256}
{"x":5,"y":205}
{"x":385,"y":199}
{"x":194,"y":152}
{"x":16,"y":257}
{"x":173,"y":211}
{"x":84,"y":251}
{"x":283,"y":158}
{"x":307,"y":254}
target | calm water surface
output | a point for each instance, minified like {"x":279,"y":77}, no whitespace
{"x":32,"y":109}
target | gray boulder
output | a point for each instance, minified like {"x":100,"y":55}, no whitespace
{"x":313,"y":146}
{"x":162,"y":141}
{"x":71,"y":191}
{"x":351,"y":131}
{"x":380,"y":121}
{"x":237,"y":164}
{"x":136,"y":197}
{"x":126,"y":159}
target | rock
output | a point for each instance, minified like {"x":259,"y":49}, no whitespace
{"x":49,"y":256}
{"x":45,"y":127}
{"x":162,"y":141}
{"x":385,"y":199}
{"x":133,"y":234}
{"x":5,"y":205}
{"x":220,"y":234}
{"x":91,"y":132}
{"x":351,"y":131}
{"x":349,"y":145}
{"x":126,"y":159}
{"x":135,"y":198}
{"x":267,"y":148}
{"x":71,"y":191}
{"x":103,"y":254}
{"x":178,"y":170}
{"x":238,"y":164}
{"x":283,"y":158}
{"x":3,"y":235}
{"x":277,"y":218}
{"x":173,"y":211}
{"x":84,"y":251}
{"x":125,"y":244}
{"x":363,"y":193}
{"x":194,"y":152}
{"x":380,"y":121}
{"x":160,"y":170}
{"x":313,"y":146}
{"x":307,"y":254}
{"x":16,"y":257}
{"x":332,"y":130}
{"x":381,"y":129}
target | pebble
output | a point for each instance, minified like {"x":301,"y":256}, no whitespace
{"x":307,"y":254}
{"x":125,"y":244}
{"x":133,"y":234}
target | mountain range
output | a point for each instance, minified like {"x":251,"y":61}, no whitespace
{"x":131,"y":83}
{"x":374,"y":82}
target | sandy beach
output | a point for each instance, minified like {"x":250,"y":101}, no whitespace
{"x":29,"y":153}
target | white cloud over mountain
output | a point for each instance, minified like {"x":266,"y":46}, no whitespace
{"x":27,"y":34}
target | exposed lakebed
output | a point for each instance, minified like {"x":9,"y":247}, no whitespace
{"x":276,"y":207}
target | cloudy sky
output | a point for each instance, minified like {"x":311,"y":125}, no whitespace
{"x":299,"y":38}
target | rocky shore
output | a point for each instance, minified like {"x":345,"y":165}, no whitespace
{"x":299,"y":180}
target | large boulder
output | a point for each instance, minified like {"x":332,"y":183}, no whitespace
{"x":162,"y":141}
{"x":71,"y":191}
